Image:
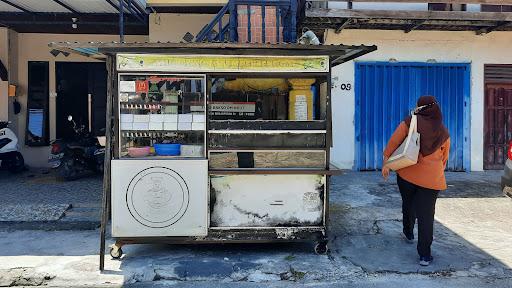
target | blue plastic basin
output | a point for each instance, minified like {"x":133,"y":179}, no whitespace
{"x":167,"y":149}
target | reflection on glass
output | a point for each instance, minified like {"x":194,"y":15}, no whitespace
{"x":162,"y":116}
{"x":35,"y":124}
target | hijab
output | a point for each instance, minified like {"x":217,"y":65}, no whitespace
{"x":430,"y":125}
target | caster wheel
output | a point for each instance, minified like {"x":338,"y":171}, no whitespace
{"x":321,"y":248}
{"x":115,"y":252}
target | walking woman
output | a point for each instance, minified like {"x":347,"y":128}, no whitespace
{"x":420,"y":184}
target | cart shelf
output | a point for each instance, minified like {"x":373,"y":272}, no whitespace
{"x":261,"y":171}
{"x":266,"y":125}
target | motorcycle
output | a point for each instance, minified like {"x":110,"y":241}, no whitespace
{"x":10,"y":157}
{"x":79,"y":157}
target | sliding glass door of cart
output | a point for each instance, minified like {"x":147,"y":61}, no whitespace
{"x":162,"y":116}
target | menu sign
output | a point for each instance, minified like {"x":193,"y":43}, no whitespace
{"x":215,"y":63}
{"x":233,"y":110}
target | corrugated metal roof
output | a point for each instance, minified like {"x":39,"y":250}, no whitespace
{"x":41,"y":6}
{"x":338,"y":53}
{"x":82,"y":6}
{"x":4,"y":7}
{"x":91,"y":6}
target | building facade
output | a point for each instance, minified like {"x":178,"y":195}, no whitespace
{"x":457,"y":53}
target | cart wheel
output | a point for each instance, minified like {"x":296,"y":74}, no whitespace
{"x":321,"y":248}
{"x":116,"y":252}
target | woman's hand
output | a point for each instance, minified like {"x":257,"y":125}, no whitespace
{"x":385,"y":169}
{"x":385,"y":173}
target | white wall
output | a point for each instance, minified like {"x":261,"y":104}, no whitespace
{"x":4,"y":85}
{"x":34,"y":47}
{"x":419,"y":46}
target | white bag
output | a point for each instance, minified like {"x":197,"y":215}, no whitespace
{"x":407,"y":153}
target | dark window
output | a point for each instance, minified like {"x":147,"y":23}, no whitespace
{"x":496,"y":8}
{"x":37,"y":131}
{"x":446,"y":7}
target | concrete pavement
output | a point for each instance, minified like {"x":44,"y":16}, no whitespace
{"x":471,"y":248}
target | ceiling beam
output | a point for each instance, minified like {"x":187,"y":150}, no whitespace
{"x":66,"y":6}
{"x":412,"y":15}
{"x":343,"y":25}
{"x":16,"y":6}
{"x":113,"y":5}
{"x":128,"y":4}
{"x":142,"y":10}
{"x":414,"y":26}
{"x":483,"y":31}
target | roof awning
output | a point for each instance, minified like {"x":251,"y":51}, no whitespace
{"x":98,"y":50}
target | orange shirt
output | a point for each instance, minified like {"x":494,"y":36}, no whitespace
{"x":429,"y":171}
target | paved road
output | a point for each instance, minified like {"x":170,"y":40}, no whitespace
{"x":471,"y":249}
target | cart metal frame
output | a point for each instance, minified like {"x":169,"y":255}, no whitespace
{"x":337,"y":54}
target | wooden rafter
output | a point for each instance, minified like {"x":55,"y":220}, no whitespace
{"x":16,"y":6}
{"x":69,"y":8}
{"x":412,"y":15}
{"x":343,"y":25}
{"x":414,"y":26}
{"x":487,"y":30}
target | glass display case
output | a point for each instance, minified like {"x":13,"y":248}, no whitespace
{"x":162,"y":116}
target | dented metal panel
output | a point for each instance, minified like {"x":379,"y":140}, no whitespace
{"x":267,"y":200}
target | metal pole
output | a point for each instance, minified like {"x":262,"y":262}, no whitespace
{"x":121,"y":21}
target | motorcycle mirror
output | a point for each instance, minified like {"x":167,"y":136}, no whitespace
{"x":70,"y":118}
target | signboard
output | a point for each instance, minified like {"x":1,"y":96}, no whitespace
{"x":215,"y":63}
{"x":141,"y":86}
{"x":233,"y":110}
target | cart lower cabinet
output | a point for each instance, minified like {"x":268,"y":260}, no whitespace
{"x":267,"y":200}
{"x":159,"y":198}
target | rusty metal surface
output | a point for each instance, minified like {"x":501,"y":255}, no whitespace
{"x":266,"y":200}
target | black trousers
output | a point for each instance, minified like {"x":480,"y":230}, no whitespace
{"x":418,"y":203}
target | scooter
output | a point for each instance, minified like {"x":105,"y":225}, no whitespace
{"x":11,"y":158}
{"x":76,"y":159}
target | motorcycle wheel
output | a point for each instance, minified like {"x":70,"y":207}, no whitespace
{"x":16,"y":164}
{"x":68,"y":170}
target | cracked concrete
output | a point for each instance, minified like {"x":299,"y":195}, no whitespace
{"x":471,"y":248}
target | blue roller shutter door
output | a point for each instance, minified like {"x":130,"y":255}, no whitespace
{"x":386,"y":92}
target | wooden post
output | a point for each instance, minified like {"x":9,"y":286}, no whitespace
{"x":108,"y":156}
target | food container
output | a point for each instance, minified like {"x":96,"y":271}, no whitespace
{"x":136,"y":152}
{"x":156,"y":126}
{"x":126,"y":126}
{"x":141,"y":118}
{"x":171,"y":118}
{"x":140,"y":126}
{"x":126,"y":118}
{"x":184,"y":126}
{"x":184,"y":117}
{"x":170,"y":126}
{"x":167,"y":149}
{"x":198,"y":118}
{"x":198,"y":126}
{"x":192,"y":150}
{"x":123,"y":97}
{"x":156,"y":118}
{"x":171,"y":109}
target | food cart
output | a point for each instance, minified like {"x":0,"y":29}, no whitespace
{"x":217,"y":142}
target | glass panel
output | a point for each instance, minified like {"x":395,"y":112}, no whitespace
{"x":37,"y":104}
{"x":240,"y":98}
{"x":162,"y":116}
